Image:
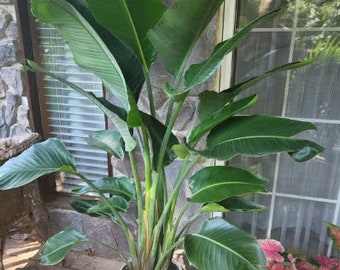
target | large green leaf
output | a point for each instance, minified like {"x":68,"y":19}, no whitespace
{"x":259,"y":135}
{"x":97,"y":208}
{"x":199,"y":73}
{"x":130,"y":21}
{"x":121,"y":186}
{"x":236,"y":203}
{"x":126,"y":59}
{"x":157,"y":131}
{"x":175,"y":35}
{"x":214,"y":184}
{"x":220,"y":245}
{"x":89,"y":51}
{"x":82,"y":206}
{"x":106,"y":107}
{"x":211,"y":101}
{"x":219,"y":116}
{"x":108,"y":140}
{"x":117,"y":202}
{"x":40,"y":159}
{"x":56,"y":247}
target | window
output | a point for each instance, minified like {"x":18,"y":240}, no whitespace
{"x":301,"y":196}
{"x":71,"y":117}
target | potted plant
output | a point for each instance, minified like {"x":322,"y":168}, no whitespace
{"x":118,"y":41}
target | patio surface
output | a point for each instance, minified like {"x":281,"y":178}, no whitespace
{"x":23,"y":254}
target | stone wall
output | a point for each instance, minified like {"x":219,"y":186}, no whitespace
{"x":13,"y":102}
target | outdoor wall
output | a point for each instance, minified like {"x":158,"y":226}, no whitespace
{"x":13,"y":102}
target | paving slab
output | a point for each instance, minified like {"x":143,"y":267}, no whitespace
{"x":24,"y":254}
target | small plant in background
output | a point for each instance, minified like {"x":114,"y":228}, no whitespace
{"x":279,"y":259}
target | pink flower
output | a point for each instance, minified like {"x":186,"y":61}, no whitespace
{"x":272,"y":250}
{"x":327,"y":263}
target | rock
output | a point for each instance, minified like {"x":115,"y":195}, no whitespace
{"x":3,"y":128}
{"x":17,"y":130}
{"x":5,"y":19}
{"x":2,"y":89}
{"x":12,"y":103}
{"x":187,"y":117}
{"x":22,"y":116}
{"x":12,"y":77}
{"x":12,"y":31}
{"x":114,"y":236}
{"x":8,"y":51}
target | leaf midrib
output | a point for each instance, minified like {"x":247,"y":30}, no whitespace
{"x":225,"y":184}
{"x":254,"y":137}
{"x":139,"y":45}
{"x":92,"y":34}
{"x":66,"y":246}
{"x":82,"y":22}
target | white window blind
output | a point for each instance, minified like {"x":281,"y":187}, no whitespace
{"x":300,"y":196}
{"x":71,"y":117}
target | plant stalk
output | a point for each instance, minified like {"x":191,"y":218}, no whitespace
{"x":162,"y":219}
{"x":139,"y":199}
{"x":157,"y":178}
{"x":150,"y":95}
{"x":147,"y":162}
{"x":165,"y":256}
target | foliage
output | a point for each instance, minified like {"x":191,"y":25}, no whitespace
{"x":118,"y":41}
{"x":279,"y":259}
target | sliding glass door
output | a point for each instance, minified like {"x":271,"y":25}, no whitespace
{"x":301,"y":196}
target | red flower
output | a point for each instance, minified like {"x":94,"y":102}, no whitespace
{"x":280,"y":266}
{"x":305,"y":266}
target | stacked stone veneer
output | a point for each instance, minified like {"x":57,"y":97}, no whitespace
{"x":13,"y":103}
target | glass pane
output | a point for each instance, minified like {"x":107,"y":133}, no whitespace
{"x":298,"y":224}
{"x":319,"y":13}
{"x":258,"y":53}
{"x":251,"y":9}
{"x":319,"y":177}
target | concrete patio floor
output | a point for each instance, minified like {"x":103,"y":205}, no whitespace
{"x":24,"y":254}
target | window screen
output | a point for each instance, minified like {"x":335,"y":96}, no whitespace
{"x":71,"y":117}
